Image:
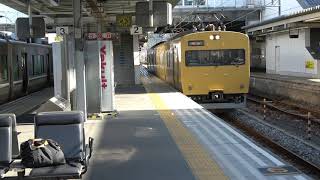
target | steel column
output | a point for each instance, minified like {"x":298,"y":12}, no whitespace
{"x":65,"y":84}
{"x":81,"y":104}
{"x":30,"y":20}
{"x":136,"y":58}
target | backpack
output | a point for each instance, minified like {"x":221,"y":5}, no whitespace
{"x":37,"y":153}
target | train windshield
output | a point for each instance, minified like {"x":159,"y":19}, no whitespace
{"x":220,"y":57}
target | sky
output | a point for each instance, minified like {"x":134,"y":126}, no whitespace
{"x":10,"y":13}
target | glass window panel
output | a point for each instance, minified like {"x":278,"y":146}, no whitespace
{"x":188,"y":2}
{"x":17,"y":69}
{"x":215,"y":57}
{"x":3,"y":68}
{"x":31,"y":70}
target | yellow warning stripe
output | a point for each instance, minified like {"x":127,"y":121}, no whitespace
{"x":199,"y":161}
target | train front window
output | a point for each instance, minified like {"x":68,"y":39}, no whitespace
{"x":220,"y":57}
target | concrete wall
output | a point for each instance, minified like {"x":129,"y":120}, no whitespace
{"x":288,"y":56}
{"x":298,"y":91}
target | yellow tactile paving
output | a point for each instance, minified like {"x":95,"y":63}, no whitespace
{"x":199,"y":161}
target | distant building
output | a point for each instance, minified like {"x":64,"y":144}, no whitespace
{"x":287,"y":44}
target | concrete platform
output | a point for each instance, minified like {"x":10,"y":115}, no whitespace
{"x":161,"y":134}
{"x":136,"y":144}
{"x":27,"y":103}
{"x":24,"y":106}
{"x":297,"y":89}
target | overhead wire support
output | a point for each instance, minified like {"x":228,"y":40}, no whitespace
{"x":248,"y":13}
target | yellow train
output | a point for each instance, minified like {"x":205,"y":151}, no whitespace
{"x":211,"y":67}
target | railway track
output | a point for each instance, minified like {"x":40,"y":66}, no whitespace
{"x":288,"y":109}
{"x":303,"y":163}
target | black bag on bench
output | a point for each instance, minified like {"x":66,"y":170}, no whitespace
{"x":37,"y":153}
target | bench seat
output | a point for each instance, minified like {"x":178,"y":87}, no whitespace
{"x":72,"y":171}
{"x":5,"y":144}
{"x":67,"y":128}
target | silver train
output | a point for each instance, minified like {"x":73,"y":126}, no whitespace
{"x":24,"y":68}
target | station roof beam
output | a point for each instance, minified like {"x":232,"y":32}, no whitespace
{"x":60,"y":13}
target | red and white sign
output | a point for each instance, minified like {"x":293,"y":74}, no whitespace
{"x":106,"y":75}
{"x":99,"y":36}
{"x":103,"y":62}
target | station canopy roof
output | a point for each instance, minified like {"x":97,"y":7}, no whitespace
{"x":305,"y":18}
{"x":60,"y":12}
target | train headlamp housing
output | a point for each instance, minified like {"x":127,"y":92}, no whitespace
{"x":214,"y":37}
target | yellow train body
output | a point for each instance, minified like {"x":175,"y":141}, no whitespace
{"x":210,"y":67}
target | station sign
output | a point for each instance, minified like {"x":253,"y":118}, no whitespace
{"x":101,"y":36}
{"x":135,"y":30}
{"x":64,"y":30}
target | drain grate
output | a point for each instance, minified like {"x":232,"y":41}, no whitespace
{"x":278,"y":170}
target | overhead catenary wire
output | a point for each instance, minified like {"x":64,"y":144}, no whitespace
{"x":243,"y":16}
{"x":272,"y":2}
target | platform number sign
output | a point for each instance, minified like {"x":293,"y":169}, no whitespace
{"x":62,"y":30}
{"x":136,"y":30}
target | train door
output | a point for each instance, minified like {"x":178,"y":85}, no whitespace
{"x":167,"y":66}
{"x":176,"y":67}
{"x":48,"y":68}
{"x":24,"y":66}
{"x":172,"y":65}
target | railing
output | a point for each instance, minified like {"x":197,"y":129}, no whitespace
{"x":221,"y":3}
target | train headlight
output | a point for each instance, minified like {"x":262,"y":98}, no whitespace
{"x":214,"y":37}
{"x":190,"y":87}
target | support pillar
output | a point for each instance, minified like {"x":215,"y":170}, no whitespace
{"x":30,"y":19}
{"x":65,"y":83}
{"x":81,"y":104}
{"x":136,"y":59}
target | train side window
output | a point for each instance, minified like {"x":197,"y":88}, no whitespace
{"x":3,"y":68}
{"x":42,"y":64}
{"x":49,"y":64}
{"x":17,"y":69}
{"x":31,"y":70}
{"x":35,"y":65}
{"x":38,"y":65}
